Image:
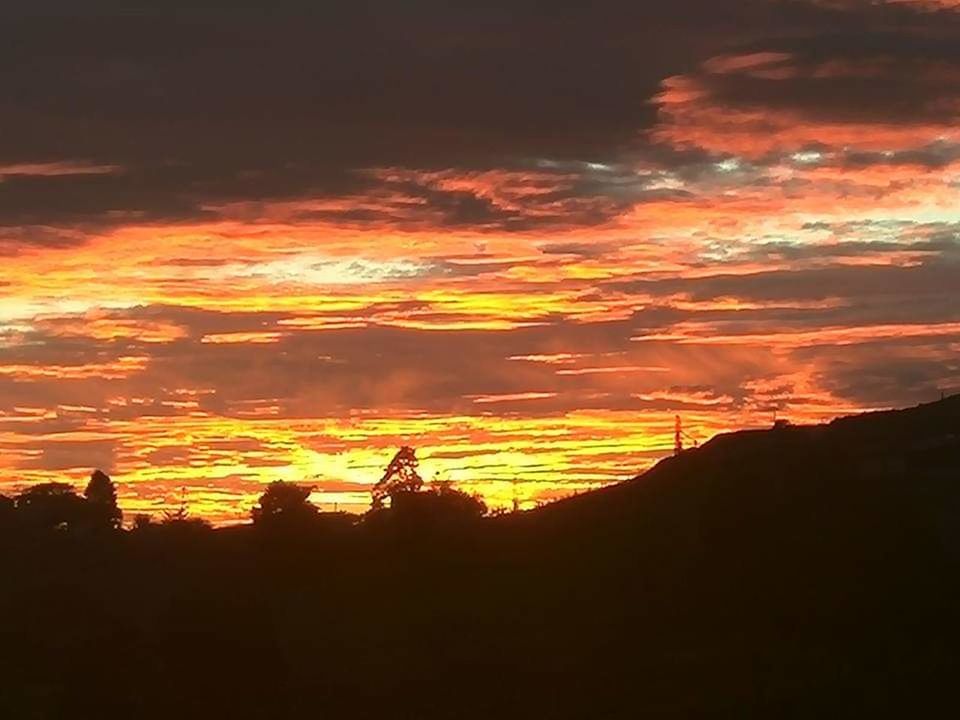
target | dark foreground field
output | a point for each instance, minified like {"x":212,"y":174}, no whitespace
{"x":798,"y":572}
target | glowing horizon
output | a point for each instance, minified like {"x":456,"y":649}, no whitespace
{"x":775,"y":230}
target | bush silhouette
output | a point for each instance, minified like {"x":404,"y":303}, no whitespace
{"x":284,"y":505}
{"x":51,"y":506}
{"x":440,"y":504}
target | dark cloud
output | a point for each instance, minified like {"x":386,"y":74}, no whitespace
{"x":582,"y":249}
{"x":204,"y":106}
{"x":486,"y":164}
{"x":935,"y":155}
{"x":905,"y":74}
{"x":935,"y":278}
{"x":72,"y":454}
{"x":895,"y":376}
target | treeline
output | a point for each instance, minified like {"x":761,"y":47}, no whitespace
{"x":57,"y":507}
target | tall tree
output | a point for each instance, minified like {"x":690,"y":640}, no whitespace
{"x":101,"y":495}
{"x":401,"y":476}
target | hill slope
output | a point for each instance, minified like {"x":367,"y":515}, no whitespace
{"x":813,"y":567}
{"x":799,"y":572}
{"x":918,"y":445}
{"x":895,"y":474}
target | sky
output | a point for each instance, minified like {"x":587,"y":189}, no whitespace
{"x":244,"y":245}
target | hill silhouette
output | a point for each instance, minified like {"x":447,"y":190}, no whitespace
{"x":794,"y":572}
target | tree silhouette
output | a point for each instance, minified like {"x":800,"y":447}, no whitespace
{"x":176,"y":524}
{"x":174,"y":516}
{"x":179,"y":522}
{"x":101,"y":495}
{"x":400,"y":477}
{"x":284,"y":504}
{"x":181,"y":515}
{"x":51,"y":506}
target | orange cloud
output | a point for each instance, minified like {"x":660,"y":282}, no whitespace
{"x":531,"y":328}
{"x":713,"y":110}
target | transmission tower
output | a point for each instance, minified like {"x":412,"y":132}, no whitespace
{"x":678,"y":436}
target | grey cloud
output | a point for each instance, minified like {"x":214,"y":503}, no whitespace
{"x":893,"y":377}
{"x":936,"y":277}
{"x":203,"y":106}
{"x":72,"y":454}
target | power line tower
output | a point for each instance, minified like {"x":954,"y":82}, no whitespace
{"x":678,"y":436}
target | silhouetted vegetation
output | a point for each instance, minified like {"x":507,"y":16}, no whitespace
{"x":284,"y":504}
{"x":101,"y":496}
{"x":798,"y":572}
{"x":179,"y":520}
{"x":440,"y":504}
{"x":401,"y":476}
{"x":50,"y":507}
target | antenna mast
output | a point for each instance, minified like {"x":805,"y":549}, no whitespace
{"x":679,"y":435}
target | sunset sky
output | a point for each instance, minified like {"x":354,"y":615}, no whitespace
{"x":240,"y":246}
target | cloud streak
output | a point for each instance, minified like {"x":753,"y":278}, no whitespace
{"x":522,"y":245}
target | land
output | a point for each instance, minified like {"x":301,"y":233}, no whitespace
{"x":793,"y":572}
